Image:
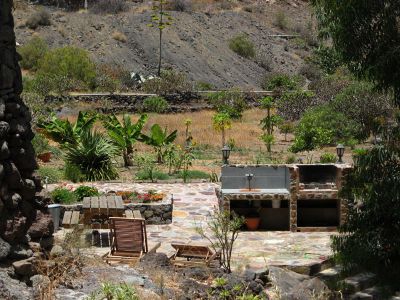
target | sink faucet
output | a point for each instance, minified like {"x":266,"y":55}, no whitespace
{"x":249,"y":178}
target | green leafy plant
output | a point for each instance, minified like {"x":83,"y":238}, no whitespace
{"x":222,"y":122}
{"x":230,"y":102}
{"x":280,"y":82}
{"x":114,"y":291}
{"x":124,"y":134}
{"x":242,"y":46}
{"x":286,"y":127}
{"x":204,"y":86}
{"x":187,"y":158}
{"x":93,"y":155}
{"x":292,"y":105}
{"x":268,"y":140}
{"x":50,"y":175}
{"x":40,"y":144}
{"x":326,"y":58}
{"x":148,"y":169}
{"x":160,"y":19}
{"x":63,"y":196}
{"x":156,"y":104}
{"x":169,"y":82}
{"x":194,"y":174}
{"x":63,"y":131}
{"x":159,"y":139}
{"x":269,"y":122}
{"x":73,"y":173}
{"x":32,"y":52}
{"x":291,"y":159}
{"x":85,"y":191}
{"x":224,"y":229}
{"x":327,"y":158}
{"x":281,"y":20}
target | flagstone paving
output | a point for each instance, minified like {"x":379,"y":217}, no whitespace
{"x":194,"y":202}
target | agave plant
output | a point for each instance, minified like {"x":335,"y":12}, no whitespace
{"x":63,"y":131}
{"x":124,"y":134}
{"x":159,"y":139}
{"x":92,"y":155}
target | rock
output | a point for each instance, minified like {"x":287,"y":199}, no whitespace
{"x":20,"y":252}
{"x":56,"y":251}
{"x":5,"y":249}
{"x":42,"y":227}
{"x":4,"y":128}
{"x":154,"y":260}
{"x":24,"y":267}
{"x":285,"y":280}
{"x":313,"y":288}
{"x":39,"y":283}
{"x":196,"y":273}
{"x":148,"y":213}
{"x":35,"y":246}
{"x":47,"y":242}
{"x":13,"y":289}
{"x":15,"y":229}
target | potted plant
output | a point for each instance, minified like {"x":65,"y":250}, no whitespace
{"x":253,"y":220}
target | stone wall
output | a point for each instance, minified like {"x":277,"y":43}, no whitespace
{"x":23,"y":215}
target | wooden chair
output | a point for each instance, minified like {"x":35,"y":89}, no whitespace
{"x":128,"y":240}
{"x":194,"y":256}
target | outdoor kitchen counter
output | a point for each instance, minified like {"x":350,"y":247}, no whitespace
{"x":256,"y":194}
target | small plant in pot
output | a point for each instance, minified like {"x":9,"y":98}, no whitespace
{"x":253,"y":219}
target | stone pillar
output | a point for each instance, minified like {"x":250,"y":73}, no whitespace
{"x":343,"y":171}
{"x":19,"y":186}
{"x":293,"y":189}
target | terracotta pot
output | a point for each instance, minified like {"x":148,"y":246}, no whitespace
{"x":44,"y":157}
{"x":252,"y":223}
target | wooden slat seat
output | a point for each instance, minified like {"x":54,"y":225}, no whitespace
{"x":71,"y":218}
{"x":192,"y":255}
{"x":133,"y":214}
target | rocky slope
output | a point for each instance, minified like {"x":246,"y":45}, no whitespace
{"x":196,"y":43}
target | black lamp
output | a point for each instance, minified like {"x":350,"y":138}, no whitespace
{"x":340,"y":152}
{"x":226,"y":151}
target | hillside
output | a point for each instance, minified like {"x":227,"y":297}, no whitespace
{"x":196,"y":43}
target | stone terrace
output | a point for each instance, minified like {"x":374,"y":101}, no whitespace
{"x":194,"y":202}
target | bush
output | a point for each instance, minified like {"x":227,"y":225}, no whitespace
{"x":326,"y":58}
{"x":181,"y":5}
{"x":194,"y":174}
{"x":292,"y":105}
{"x":32,"y":52}
{"x":280,"y":82}
{"x":53,"y":175}
{"x":85,"y":191}
{"x":170,"y":82}
{"x":45,"y":84}
{"x":286,"y":128}
{"x":115,"y":291}
{"x":242,"y":46}
{"x":291,"y":159}
{"x":148,"y":169}
{"x":155,"y":175}
{"x":109,"y":7}
{"x":40,"y":144}
{"x":327,"y":158}
{"x":156,"y":104}
{"x":70,"y":64}
{"x":39,"y":18}
{"x":119,"y":36}
{"x":73,"y":173}
{"x":230,"y":102}
{"x":281,"y":20}
{"x":204,"y":86}
{"x":63,"y":196}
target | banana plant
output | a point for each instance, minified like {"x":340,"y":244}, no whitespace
{"x":159,"y":139}
{"x":124,"y":134}
{"x":64,"y":132}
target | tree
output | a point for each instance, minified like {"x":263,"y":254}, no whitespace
{"x":230,"y":102}
{"x":158,"y":20}
{"x":366,"y":36}
{"x":159,"y":139}
{"x":124,"y":134}
{"x":269,"y":122}
{"x":222,"y":122}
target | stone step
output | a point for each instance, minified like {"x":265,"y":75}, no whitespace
{"x":358,"y":282}
{"x":373,"y":293}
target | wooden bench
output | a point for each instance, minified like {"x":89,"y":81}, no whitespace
{"x":133,"y":214}
{"x":194,"y":256}
{"x":71,"y":218}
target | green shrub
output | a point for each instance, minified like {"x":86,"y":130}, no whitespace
{"x":292,"y":105}
{"x":85,"y":191}
{"x":63,"y":196}
{"x":155,"y":175}
{"x":68,"y":63}
{"x":194,"y":174}
{"x":280,"y":82}
{"x":204,"y":86}
{"x":53,"y":175}
{"x":156,"y":104}
{"x":147,"y":167}
{"x":291,"y":159}
{"x":45,"y":84}
{"x":32,"y":52}
{"x":170,"y":82}
{"x":120,"y":291}
{"x":326,"y":58}
{"x":281,"y":20}
{"x":39,"y":18}
{"x":73,"y":173}
{"x":40,"y":144}
{"x":327,"y":158}
{"x":230,"y":102}
{"x":242,"y":46}
{"x":322,"y":126}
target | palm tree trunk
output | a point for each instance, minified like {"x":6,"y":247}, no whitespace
{"x":127,"y":155}
{"x":223,"y":137}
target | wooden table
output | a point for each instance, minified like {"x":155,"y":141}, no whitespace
{"x":97,"y":210}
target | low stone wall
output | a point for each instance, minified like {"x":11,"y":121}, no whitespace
{"x":154,"y":213}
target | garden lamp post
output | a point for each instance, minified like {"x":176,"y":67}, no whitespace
{"x":226,"y":151}
{"x":340,"y":152}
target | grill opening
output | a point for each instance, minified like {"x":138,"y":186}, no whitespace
{"x":317,"y":176}
{"x":318,"y":213}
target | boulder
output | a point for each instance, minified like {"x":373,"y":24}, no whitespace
{"x":5,"y":249}
{"x":57,"y":251}
{"x":42,"y":226}
{"x":39,"y":283}
{"x":20,"y":252}
{"x":285,"y":280}
{"x":24,"y":267}
{"x":46,"y":242}
{"x":13,"y":289}
{"x":313,"y":288}
{"x":15,"y":229}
